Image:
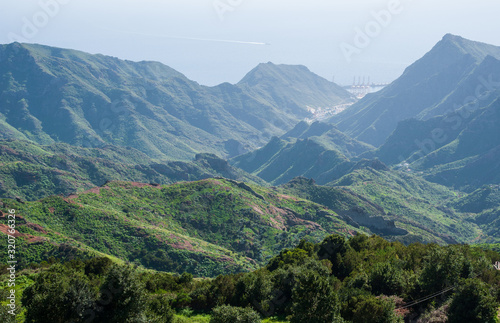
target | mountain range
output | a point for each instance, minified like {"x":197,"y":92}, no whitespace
{"x":134,"y":161}
{"x":439,"y":119}
{"x":57,"y":95}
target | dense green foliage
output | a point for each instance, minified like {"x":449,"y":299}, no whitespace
{"x":94,"y":291}
{"x":474,"y":303}
{"x":361,"y":279}
{"x":230,"y":314}
{"x":59,"y":295}
{"x":217,"y":226}
{"x":30,"y":171}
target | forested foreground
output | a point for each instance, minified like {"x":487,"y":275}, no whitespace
{"x":361,"y":279}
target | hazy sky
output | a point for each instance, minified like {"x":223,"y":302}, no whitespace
{"x":341,"y":38}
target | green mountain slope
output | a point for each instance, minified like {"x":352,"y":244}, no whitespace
{"x":427,"y":88}
{"x":483,"y":206}
{"x":30,"y":171}
{"x":459,"y":150}
{"x":357,"y":210}
{"x":471,"y":160}
{"x":330,"y":136}
{"x":207,"y":227}
{"x":292,"y":88}
{"x":301,"y":157}
{"x":316,"y":151}
{"x":57,"y":95}
{"x":485,"y":198}
{"x":218,"y":225}
{"x":415,"y":205}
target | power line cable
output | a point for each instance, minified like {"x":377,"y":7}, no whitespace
{"x":425,"y":298}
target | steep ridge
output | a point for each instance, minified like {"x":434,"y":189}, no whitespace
{"x":357,"y":210}
{"x":458,"y":150}
{"x":316,"y":151}
{"x":424,"y":85}
{"x":330,"y":136}
{"x":471,"y":160}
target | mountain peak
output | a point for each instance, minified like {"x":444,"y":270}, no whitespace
{"x":271,"y":71}
{"x":476,"y":49}
{"x":452,"y":37}
{"x":292,"y":88}
{"x":418,"y":92}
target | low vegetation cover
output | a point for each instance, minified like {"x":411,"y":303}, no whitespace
{"x":206,"y":228}
{"x":361,"y":279}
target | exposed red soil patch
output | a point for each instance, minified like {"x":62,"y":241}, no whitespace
{"x":276,"y":211}
{"x":181,"y":243}
{"x":95,"y":190}
{"x":30,"y":238}
{"x":293,"y":219}
{"x":9,"y":150}
{"x":5,"y":229}
{"x":257,"y":209}
{"x":251,"y":260}
{"x":33,"y":239}
{"x":283,"y":218}
{"x":277,"y":224}
{"x":287,"y":197}
{"x":70,"y":198}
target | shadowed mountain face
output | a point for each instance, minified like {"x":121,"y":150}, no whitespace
{"x":460,"y":149}
{"x":454,"y":73}
{"x":316,"y":151}
{"x":57,"y":95}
